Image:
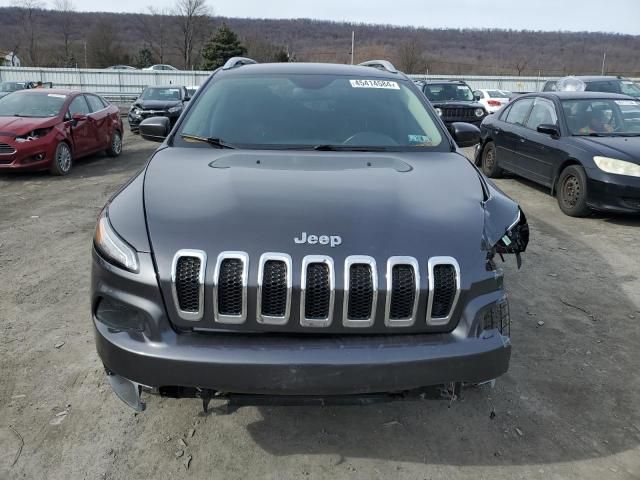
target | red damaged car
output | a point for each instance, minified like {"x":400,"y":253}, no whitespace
{"x":50,"y":129}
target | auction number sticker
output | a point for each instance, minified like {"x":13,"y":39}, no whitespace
{"x":56,"y":95}
{"x":386,"y":84}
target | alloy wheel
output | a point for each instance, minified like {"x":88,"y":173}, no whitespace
{"x":63,"y":158}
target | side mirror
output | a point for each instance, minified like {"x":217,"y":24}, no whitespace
{"x":549,"y":129}
{"x":465,"y":134}
{"x":155,"y":129}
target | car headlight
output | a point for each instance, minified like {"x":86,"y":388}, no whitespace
{"x":617,"y":167}
{"x":113,"y":248}
{"x":479,"y":112}
{"x":175,"y":109}
{"x":136,"y":111}
{"x":439,"y":111}
{"x":34,"y":135}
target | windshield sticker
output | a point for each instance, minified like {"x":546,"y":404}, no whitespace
{"x":375,"y":84}
{"x":56,"y":95}
{"x":627,"y":82}
{"x":419,"y":139}
{"x":627,"y":103}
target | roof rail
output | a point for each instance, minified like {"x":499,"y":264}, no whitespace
{"x":380,"y":65}
{"x":237,"y":62}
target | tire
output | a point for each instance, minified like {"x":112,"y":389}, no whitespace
{"x":572,"y":191}
{"x":489,"y":163}
{"x":62,"y":160}
{"x":115,"y":147}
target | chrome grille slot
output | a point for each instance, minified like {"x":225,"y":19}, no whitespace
{"x":444,"y":289}
{"x":6,"y":149}
{"x":360,"y":291}
{"x":187,"y":283}
{"x":230,"y":287}
{"x":403,"y":291}
{"x":274,"y":288}
{"x":317,"y":291}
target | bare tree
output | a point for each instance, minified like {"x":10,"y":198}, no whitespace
{"x":29,"y":21}
{"x":66,"y":25}
{"x":521,"y":66}
{"x":410,"y":59}
{"x":155,"y":30}
{"x":192,"y":20}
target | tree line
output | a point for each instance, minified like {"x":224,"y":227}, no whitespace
{"x":190,"y":36}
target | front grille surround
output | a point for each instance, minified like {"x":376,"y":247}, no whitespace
{"x":348,"y":263}
{"x":192,"y":316}
{"x":219,"y":317}
{"x":306,"y":262}
{"x":410,"y":320}
{"x":274,"y":257}
{"x":433,"y":262}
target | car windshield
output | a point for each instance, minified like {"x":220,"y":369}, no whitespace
{"x":12,"y":86}
{"x":627,"y":87}
{"x":167,"y":94}
{"x":442,"y":92}
{"x":31,"y":104}
{"x":498,"y":93}
{"x":602,"y":117}
{"x":312,"y":111}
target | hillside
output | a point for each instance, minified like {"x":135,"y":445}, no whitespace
{"x":101,"y":39}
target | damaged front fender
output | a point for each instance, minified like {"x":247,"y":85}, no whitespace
{"x":506,"y":230}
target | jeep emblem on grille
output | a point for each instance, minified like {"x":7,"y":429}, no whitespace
{"x":331,"y":240}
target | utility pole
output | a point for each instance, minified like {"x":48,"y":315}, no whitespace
{"x":353,"y":45}
{"x":604,"y":59}
{"x":85,"y":54}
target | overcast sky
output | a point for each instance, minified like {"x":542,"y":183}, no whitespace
{"x":620,"y":16}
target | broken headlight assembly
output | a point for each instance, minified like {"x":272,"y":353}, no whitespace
{"x":113,"y":248}
{"x":33,"y":135}
{"x":514,"y":241}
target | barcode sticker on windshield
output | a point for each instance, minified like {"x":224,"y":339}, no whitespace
{"x":56,"y":95}
{"x":627,"y":103}
{"x":375,"y":84}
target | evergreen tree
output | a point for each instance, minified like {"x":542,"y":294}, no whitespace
{"x":223,"y":45}
{"x":145,"y":58}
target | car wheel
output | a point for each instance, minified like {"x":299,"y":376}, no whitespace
{"x":62,"y":160}
{"x":115,"y":148}
{"x":490,"y":161}
{"x":572,"y":192}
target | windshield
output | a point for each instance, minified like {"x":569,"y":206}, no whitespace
{"x":602,"y":117}
{"x":166,"y":94}
{"x":498,"y":93}
{"x":31,"y":104}
{"x":309,"y":111}
{"x":12,"y":86}
{"x":442,"y":92}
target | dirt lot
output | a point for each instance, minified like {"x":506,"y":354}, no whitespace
{"x":568,"y":408}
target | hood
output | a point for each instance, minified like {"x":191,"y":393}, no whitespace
{"x":623,"y":148}
{"x":258,"y":202}
{"x":15,"y":126}
{"x":156,"y":104}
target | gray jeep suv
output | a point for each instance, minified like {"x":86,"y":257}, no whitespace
{"x":304,"y":230}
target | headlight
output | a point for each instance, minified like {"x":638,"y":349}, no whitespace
{"x":617,"y":167}
{"x":34,"y":135}
{"x":439,"y":111}
{"x":479,"y":112}
{"x":136,"y":111}
{"x":113,"y":248}
{"x":175,"y":109}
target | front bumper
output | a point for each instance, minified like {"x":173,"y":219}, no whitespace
{"x":613,"y":193}
{"x":157,"y":356}
{"x":32,"y":155}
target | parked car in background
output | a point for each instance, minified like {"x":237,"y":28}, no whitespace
{"x":550,"y":86}
{"x":454,"y":101}
{"x":493,"y":100}
{"x":161,"y":67}
{"x":7,"y":87}
{"x":579,"y":144}
{"x":165,"y":101}
{"x":305,"y":229}
{"x":50,"y":129}
{"x":121,"y":67}
{"x":605,"y":84}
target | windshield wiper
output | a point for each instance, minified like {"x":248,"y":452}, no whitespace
{"x":347,"y":148}
{"x":214,"y":142}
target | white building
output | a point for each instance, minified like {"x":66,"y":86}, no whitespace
{"x":9,"y":59}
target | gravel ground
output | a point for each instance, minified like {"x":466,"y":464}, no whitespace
{"x":567,"y":409}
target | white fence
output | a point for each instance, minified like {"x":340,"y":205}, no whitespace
{"x":126,"y":84}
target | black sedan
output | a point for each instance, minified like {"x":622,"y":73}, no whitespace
{"x":584,"y":146}
{"x":166,"y":101}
